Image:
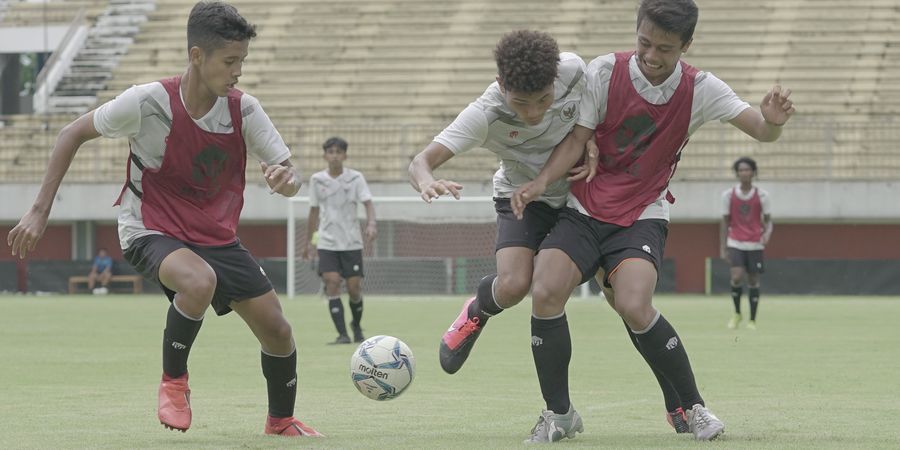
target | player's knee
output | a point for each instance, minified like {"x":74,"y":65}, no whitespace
{"x":199,"y":286}
{"x":281,"y":332}
{"x":548,"y":296}
{"x":633,"y":308}
{"x":354,"y":290}
{"x":511,"y":289}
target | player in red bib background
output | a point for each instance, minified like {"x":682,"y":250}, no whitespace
{"x":744,"y":232}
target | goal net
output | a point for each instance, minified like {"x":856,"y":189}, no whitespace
{"x":444,"y":247}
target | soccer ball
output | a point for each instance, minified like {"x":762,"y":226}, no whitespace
{"x":382,"y":367}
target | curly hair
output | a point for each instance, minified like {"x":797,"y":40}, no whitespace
{"x":212,"y":23}
{"x":527,"y":60}
{"x":745,"y":160}
{"x":674,"y":16}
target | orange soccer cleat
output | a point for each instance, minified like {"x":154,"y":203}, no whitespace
{"x":175,"y":403}
{"x":289,"y":426}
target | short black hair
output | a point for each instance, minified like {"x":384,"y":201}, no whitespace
{"x":746,"y":160}
{"x":213,"y":23}
{"x":527,"y":60}
{"x":673,"y":16}
{"x":335,"y":142}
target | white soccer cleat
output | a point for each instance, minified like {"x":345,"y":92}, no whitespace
{"x":552,"y":427}
{"x":704,"y":424}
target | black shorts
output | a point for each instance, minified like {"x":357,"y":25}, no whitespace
{"x":536,"y":223}
{"x":348,"y":263}
{"x":592,"y":244}
{"x":750,"y":260}
{"x":238,"y":275}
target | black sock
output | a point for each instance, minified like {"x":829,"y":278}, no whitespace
{"x":736,"y":293}
{"x":336,"y":307}
{"x":551,"y":347}
{"x":484,"y":305}
{"x":356,"y":309}
{"x":670,"y":397}
{"x":281,"y":383}
{"x":754,"y":301}
{"x":178,"y":337}
{"x":663,"y":350}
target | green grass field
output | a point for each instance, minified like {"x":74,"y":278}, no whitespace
{"x":82,"y":372}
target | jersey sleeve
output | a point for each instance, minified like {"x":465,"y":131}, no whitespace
{"x":572,"y":70}
{"x":121,"y":116}
{"x":726,"y":202}
{"x":262,"y":139}
{"x":362,"y":189}
{"x":766,"y":201}
{"x":313,"y":193}
{"x":718,"y":101}
{"x":592,"y":109}
{"x":469,"y":130}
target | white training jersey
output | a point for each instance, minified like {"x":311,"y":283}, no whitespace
{"x":337,"y":200}
{"x":523,"y":149}
{"x":713,"y":100}
{"x":143,"y":115}
{"x":766,"y":204}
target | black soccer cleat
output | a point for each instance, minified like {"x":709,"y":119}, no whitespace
{"x":342,"y":339}
{"x":678,"y":420}
{"x":357,"y":332}
{"x":458,"y":341}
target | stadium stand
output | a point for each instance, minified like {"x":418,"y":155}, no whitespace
{"x":389,"y":74}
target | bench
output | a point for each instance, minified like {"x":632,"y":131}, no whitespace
{"x":137,"y":282}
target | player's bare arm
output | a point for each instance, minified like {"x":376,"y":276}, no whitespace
{"x":312,"y":226}
{"x":589,"y":168}
{"x":723,"y":235}
{"x":564,"y":156}
{"x":371,"y":227}
{"x":421,"y":173}
{"x":282,"y":178}
{"x":24,"y":237}
{"x":774,"y":111}
{"x":769,"y":226}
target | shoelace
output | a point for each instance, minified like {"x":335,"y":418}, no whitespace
{"x":539,"y":426}
{"x":470,"y":326}
{"x":701,"y":418}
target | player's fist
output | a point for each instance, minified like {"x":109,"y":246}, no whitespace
{"x":281,"y":179}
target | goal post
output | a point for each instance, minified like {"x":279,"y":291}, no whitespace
{"x":440,"y":248}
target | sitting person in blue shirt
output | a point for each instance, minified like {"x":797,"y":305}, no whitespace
{"x":101,"y":271}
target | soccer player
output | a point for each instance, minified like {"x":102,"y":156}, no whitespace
{"x":521,"y":117}
{"x":640,"y":107}
{"x":745,"y":230}
{"x":189,"y":137}
{"x":333,"y":228}
{"x":101,"y":270}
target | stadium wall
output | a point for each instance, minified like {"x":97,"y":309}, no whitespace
{"x":825,"y":220}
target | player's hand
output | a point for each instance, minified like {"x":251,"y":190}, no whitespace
{"x":589,"y":168}
{"x":437,"y":188}
{"x":23,"y":238}
{"x":309,"y":250}
{"x":281,"y":179}
{"x":524,"y":195}
{"x":371,"y":232}
{"x":776,"y":106}
{"x":723,"y":253}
